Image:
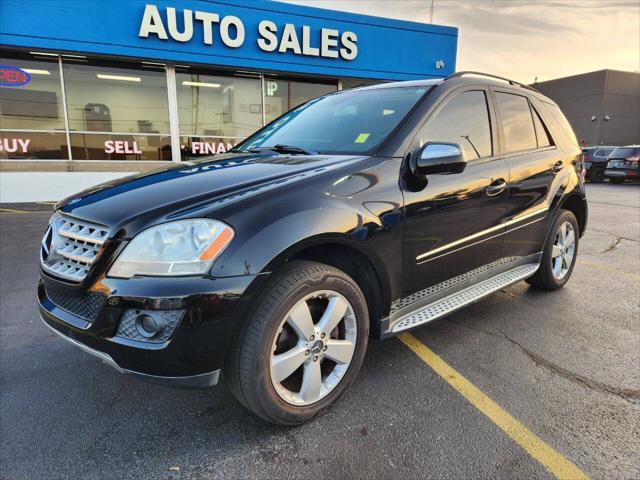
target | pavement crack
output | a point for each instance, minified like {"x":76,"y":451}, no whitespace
{"x":613,"y":245}
{"x":618,"y":237}
{"x":628,"y":394}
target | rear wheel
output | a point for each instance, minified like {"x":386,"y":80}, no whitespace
{"x":616,"y":180}
{"x":559,"y":254}
{"x":596,"y":175}
{"x":302,"y":346}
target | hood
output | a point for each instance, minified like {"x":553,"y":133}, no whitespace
{"x":176,"y":190}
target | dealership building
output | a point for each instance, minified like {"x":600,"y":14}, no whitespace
{"x":90,"y":91}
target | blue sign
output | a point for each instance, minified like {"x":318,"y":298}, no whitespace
{"x":13,"y":76}
{"x":259,"y":34}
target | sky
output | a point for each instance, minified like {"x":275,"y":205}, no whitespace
{"x":524,"y":39}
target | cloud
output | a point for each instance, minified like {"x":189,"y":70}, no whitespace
{"x":524,"y":39}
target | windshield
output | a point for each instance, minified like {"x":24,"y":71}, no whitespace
{"x":348,"y":122}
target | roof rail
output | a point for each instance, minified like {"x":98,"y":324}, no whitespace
{"x":509,"y":81}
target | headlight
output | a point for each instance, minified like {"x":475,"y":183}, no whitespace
{"x":186,"y":247}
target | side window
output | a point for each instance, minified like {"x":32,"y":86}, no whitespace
{"x":465,"y":121}
{"x":517,"y":122}
{"x":541,"y":131}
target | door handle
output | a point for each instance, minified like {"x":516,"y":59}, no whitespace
{"x":557,"y":166}
{"x":496,"y":188}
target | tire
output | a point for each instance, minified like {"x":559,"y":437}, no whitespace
{"x":300,"y":292}
{"x":548,"y":276}
{"x":596,"y":175}
{"x":616,"y":180}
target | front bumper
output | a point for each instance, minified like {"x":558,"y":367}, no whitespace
{"x":621,"y":173}
{"x":194,"y":353}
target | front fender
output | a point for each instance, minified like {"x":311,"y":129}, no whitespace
{"x":257,"y":251}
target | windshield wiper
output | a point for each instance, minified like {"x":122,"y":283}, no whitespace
{"x":280,"y":148}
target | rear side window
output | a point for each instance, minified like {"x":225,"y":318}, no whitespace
{"x":559,"y":117}
{"x":541,"y":132}
{"x":517,"y":122}
{"x":465,"y":121}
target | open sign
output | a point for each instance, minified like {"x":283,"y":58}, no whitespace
{"x":13,"y":76}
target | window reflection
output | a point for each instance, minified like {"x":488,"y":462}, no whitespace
{"x":464,"y":121}
{"x":517,"y":122}
{"x":216,"y":105}
{"x":281,"y":95}
{"x":114,"y":97}
{"x":36,"y":105}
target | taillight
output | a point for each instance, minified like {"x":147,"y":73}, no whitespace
{"x":585,"y":156}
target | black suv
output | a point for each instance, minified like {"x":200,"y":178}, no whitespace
{"x":363,"y":213}
{"x":623,"y":164}
{"x":595,"y":162}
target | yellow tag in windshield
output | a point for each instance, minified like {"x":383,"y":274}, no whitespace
{"x":362,"y":138}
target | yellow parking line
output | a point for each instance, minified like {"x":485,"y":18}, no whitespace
{"x":11,"y":210}
{"x":553,"y":461}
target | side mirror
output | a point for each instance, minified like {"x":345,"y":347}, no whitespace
{"x":439,"y":158}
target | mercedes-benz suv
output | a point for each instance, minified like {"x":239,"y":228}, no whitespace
{"x":358,"y":215}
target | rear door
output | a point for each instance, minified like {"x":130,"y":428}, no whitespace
{"x":453,"y":223}
{"x":534,"y":161}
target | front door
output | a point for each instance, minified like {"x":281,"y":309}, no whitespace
{"x":453,"y":222}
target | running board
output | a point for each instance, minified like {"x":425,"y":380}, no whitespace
{"x":458,"y":300}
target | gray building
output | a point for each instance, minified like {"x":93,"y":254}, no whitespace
{"x":603,"y":107}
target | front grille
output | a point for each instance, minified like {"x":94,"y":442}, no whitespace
{"x":86,"y":306}
{"x":70,"y":247}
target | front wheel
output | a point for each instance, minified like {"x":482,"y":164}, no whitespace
{"x":559,"y":254}
{"x":302,"y":346}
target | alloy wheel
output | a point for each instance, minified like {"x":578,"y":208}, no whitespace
{"x":563,"y":250}
{"x":313,"y":347}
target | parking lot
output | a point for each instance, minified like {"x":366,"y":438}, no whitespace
{"x":565,"y":365}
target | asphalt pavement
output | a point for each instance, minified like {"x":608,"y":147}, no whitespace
{"x":565,"y":364}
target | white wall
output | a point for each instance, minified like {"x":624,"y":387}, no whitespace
{"x":49,"y":186}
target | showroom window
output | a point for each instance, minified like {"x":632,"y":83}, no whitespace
{"x":117,"y":111}
{"x":216,"y":111}
{"x":281,"y":95}
{"x":32,"y":113}
{"x":70,"y":107}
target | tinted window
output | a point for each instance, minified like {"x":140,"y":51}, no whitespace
{"x":603,"y":152}
{"x":560,"y":119}
{"x":517,"y":122}
{"x":347,"y":122}
{"x":463,"y":120}
{"x":625,"y":152}
{"x":541,"y":132}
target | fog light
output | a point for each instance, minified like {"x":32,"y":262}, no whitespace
{"x":150,"y":326}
